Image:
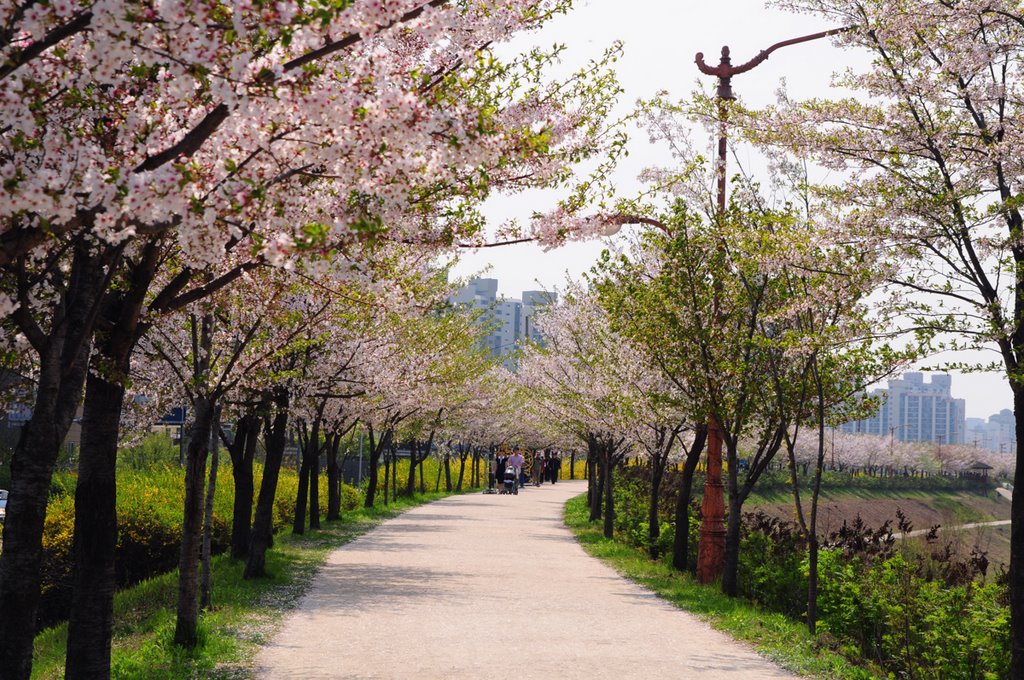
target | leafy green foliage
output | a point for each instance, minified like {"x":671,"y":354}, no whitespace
{"x":350,"y":497}
{"x":150,"y":506}
{"x":900,"y":610}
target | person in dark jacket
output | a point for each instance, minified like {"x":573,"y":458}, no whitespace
{"x":499,"y":468}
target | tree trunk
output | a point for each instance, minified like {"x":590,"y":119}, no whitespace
{"x":1016,"y":573}
{"x":299,"y":520}
{"x":812,"y":584}
{"x":314,"y":486}
{"x":447,"y":473}
{"x":653,"y":527}
{"x":812,"y":534}
{"x":309,"y":454}
{"x":731,"y":566}
{"x":90,"y":624}
{"x":375,"y":451}
{"x":94,"y":580}
{"x":609,"y":498}
{"x":243,"y":452}
{"x":572,"y":465}
{"x":263,"y":521}
{"x":462,"y":471}
{"x":191,"y":532}
{"x":681,"y":540}
{"x":63,"y":364}
{"x":333,"y":478}
{"x":206,"y":576}
{"x":387,"y":478}
{"x":590,"y":482}
{"x":410,"y":483}
{"x":423,"y":488}
{"x":394,"y":471}
{"x":596,"y":488}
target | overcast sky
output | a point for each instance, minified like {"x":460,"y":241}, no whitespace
{"x":661,"y":38}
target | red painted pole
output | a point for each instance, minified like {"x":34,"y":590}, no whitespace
{"x":711,"y":550}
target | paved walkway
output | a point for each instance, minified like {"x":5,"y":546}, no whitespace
{"x":490,"y":586}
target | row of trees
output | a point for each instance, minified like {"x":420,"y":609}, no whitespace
{"x":237,"y":206}
{"x":702,"y":322}
{"x":768,"y":317}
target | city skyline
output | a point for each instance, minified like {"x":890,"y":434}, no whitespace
{"x":510,"y":319}
{"x":913,"y":408}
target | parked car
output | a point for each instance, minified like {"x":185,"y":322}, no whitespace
{"x":3,"y":505}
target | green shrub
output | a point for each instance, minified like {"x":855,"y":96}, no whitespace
{"x":631,"y":509}
{"x":150,"y":512}
{"x":351,"y":498}
{"x":431,"y":468}
{"x":154,"y":450}
{"x":770,"y":574}
{"x":911,"y":625}
{"x":910,"y":612}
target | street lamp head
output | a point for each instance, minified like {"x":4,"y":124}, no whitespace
{"x":724,"y":72}
{"x":611,"y":228}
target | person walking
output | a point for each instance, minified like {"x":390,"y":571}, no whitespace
{"x":554,"y":467}
{"x":499,"y":467}
{"x":516,"y":461}
{"x":537,"y":470}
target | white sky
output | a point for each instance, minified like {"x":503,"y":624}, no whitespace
{"x":661,"y":38}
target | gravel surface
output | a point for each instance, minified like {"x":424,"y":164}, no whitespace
{"x":491,"y":586}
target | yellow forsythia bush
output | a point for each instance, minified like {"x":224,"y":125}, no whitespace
{"x":150,"y":507}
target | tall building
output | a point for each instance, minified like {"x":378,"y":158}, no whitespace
{"x":999,"y":434}
{"x":533,"y":302}
{"x":507,"y":321}
{"x":912,"y":410}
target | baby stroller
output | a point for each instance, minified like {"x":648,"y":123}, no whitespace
{"x":509,"y":484}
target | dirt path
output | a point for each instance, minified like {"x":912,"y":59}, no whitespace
{"x":958,"y":527}
{"x":482,"y":587}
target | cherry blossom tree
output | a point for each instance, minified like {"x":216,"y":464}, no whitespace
{"x":931,"y":175}
{"x":232,"y":336}
{"x":596,"y":385}
{"x":220,"y":127}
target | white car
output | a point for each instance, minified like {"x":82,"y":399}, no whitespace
{"x":3,"y":505}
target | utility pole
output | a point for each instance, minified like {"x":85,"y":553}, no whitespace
{"x":711,"y":551}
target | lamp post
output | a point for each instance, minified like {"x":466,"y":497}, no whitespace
{"x":711,"y":551}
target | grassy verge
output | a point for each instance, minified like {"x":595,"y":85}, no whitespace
{"x":244,"y":615}
{"x":773,"y":635}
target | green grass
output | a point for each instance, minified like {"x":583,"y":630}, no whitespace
{"x":244,"y":615}
{"x":961,"y":514}
{"x":780,"y":495}
{"x":778,"y":638}
{"x":954,"y":503}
